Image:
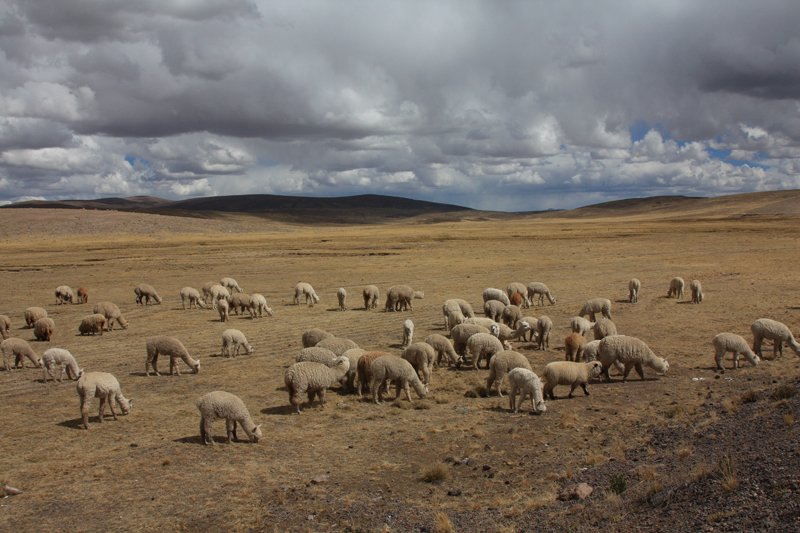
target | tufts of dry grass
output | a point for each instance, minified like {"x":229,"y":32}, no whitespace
{"x":437,"y":471}
{"x":731,"y":405}
{"x":443,"y":524}
{"x":784,"y":392}
{"x":568,"y":420}
{"x":673,"y":412}
{"x":684,"y":452}
{"x":720,"y":516}
{"x":751,"y":396}
{"x":728,"y":476}
{"x":701,"y":471}
{"x":655,"y":487}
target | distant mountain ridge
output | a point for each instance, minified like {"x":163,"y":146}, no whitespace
{"x":347,"y":209}
{"x":374,"y":208}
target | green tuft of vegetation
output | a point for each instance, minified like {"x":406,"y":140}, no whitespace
{"x":619,"y":484}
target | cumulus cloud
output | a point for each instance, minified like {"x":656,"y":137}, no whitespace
{"x":520,"y":106}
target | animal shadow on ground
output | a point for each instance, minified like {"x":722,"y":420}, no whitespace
{"x":77,"y":423}
{"x":282,"y":409}
{"x":399,"y":346}
{"x":623,"y":301}
{"x":197,"y":439}
{"x":685,"y":302}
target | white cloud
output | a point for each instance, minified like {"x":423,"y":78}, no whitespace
{"x":48,"y":100}
{"x":525,"y":177}
{"x":199,"y":187}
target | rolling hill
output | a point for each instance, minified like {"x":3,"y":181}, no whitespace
{"x":372,"y":208}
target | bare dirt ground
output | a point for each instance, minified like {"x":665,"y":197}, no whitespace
{"x":665,"y":440}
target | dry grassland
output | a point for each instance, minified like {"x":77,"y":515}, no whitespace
{"x":148,"y":471}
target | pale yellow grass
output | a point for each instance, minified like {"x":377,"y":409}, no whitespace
{"x":148,"y":471}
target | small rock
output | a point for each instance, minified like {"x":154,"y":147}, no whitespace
{"x":134,"y":445}
{"x":487,"y":448}
{"x":486,"y":467}
{"x":491,"y":475}
{"x":579,"y":491}
{"x":454,"y":492}
{"x":12,"y":491}
{"x":322,"y":478}
{"x":449,"y":459}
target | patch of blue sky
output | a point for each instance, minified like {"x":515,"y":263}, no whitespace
{"x":132,"y":160}
{"x":640,"y":128}
{"x":724,"y":155}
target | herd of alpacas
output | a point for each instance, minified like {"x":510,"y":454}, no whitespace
{"x":326,"y":359}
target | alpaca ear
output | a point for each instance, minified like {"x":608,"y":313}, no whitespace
{"x":258,"y":426}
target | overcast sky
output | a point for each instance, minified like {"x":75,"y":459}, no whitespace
{"x":494,"y":105}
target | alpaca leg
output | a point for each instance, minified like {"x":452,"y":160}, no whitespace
{"x":85,"y":412}
{"x":407,"y":388}
{"x":205,"y":431}
{"x":320,"y":397}
{"x":110,"y":402}
{"x":718,"y":359}
{"x":296,"y":399}
{"x":628,"y":368}
{"x":102,"y":408}
{"x":548,"y":391}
